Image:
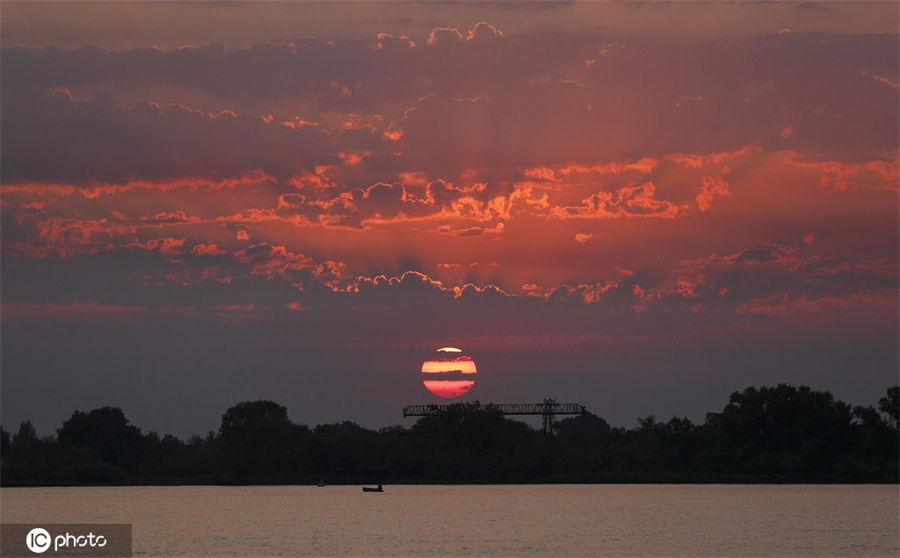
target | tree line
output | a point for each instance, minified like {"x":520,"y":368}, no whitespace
{"x":766,"y":434}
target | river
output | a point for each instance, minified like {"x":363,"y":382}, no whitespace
{"x":509,"y":520}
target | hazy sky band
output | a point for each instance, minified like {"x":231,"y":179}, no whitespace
{"x":449,"y":389}
{"x":462,"y":366}
{"x":449,"y":375}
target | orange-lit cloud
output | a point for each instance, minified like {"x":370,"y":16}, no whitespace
{"x":712,"y":188}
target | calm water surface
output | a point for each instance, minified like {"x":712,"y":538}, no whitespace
{"x":559,"y":520}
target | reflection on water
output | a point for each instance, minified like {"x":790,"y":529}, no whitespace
{"x":696,"y":520}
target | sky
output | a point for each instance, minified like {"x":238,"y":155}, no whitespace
{"x":638,"y":207}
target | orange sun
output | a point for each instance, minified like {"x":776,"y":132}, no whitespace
{"x":449,"y":374}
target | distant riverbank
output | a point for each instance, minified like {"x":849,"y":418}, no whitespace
{"x":782,"y":434}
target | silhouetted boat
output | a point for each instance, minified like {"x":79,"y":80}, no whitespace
{"x":370,"y":489}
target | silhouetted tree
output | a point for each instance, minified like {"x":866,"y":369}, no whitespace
{"x":29,"y":458}
{"x":347,"y":451}
{"x":783,"y":430}
{"x":260,"y":443}
{"x":4,"y":442}
{"x":890,"y":405}
{"x":581,"y":444}
{"x":26,"y":436}
{"x":470,"y":441}
{"x":101,"y":443}
{"x":586,"y":424}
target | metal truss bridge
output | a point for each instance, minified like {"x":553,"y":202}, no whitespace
{"x":547,"y":409}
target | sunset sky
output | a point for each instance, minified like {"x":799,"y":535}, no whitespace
{"x":638,"y":207}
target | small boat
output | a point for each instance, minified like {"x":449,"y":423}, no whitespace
{"x":370,"y":489}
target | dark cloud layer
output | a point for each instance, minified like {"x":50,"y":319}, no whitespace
{"x":55,"y":139}
{"x":474,"y":102}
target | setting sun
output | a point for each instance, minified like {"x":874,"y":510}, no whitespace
{"x":450,"y":374}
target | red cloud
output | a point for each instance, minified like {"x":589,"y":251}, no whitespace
{"x":95,"y":189}
{"x":629,"y":201}
{"x":271,"y":261}
{"x":444,"y":36}
{"x":483,"y":31}
{"x":207,"y":250}
{"x":165,"y":246}
{"x":884,"y":80}
{"x":388,"y":41}
{"x":884,"y":173}
{"x":581,"y":238}
{"x":712,"y":188}
{"x":417,"y":279}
